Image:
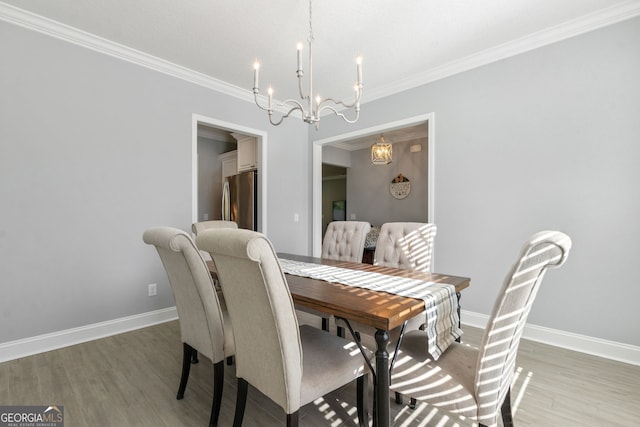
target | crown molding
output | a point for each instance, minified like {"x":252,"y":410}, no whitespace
{"x":82,"y":38}
{"x":551,"y":35}
{"x":215,"y":134}
{"x":572,"y":28}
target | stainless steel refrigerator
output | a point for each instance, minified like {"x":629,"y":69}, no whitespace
{"x":239,"y":200}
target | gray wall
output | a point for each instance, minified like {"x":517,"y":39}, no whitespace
{"x":368,"y":193}
{"x":94,"y":150}
{"x":549,"y":139}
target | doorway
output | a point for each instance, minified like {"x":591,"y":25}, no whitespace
{"x":261,"y":164}
{"x":334,"y":194}
{"x":364,"y":137}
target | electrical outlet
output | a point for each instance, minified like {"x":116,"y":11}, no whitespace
{"x":153,"y":289}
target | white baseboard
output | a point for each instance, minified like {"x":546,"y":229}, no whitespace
{"x":39,"y":344}
{"x":47,"y":342}
{"x":598,"y":347}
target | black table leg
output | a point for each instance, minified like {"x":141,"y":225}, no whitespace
{"x":459,"y":295}
{"x":381,"y":392}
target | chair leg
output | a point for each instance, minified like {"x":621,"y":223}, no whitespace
{"x":363,"y":407}
{"x":507,"y":418}
{"x":325,"y":324}
{"x":187,"y":353}
{"x":398,"y":398}
{"x":412,"y":403}
{"x":505,"y":409}
{"x":241,"y":402}
{"x":194,"y":357}
{"x":218,"y":382}
{"x":230,"y":360}
{"x":292,"y":419}
{"x":340,"y":332}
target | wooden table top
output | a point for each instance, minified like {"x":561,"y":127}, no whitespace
{"x":380,"y":310}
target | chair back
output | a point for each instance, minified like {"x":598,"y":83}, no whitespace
{"x":265,"y":326}
{"x":497,"y":356}
{"x":344,"y":240}
{"x":199,"y":310}
{"x":197,"y":227}
{"x":407,"y":245}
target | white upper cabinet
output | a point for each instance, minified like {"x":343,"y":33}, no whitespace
{"x":246,"y":152}
{"x":229,"y":164}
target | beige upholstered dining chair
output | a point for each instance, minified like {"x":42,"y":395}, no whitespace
{"x":476,"y":383}
{"x":344,"y":240}
{"x":197,"y":227}
{"x":407,"y":245}
{"x":292,"y":365}
{"x":204,"y":325}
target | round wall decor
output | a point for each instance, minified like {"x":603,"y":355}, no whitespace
{"x":400,"y":187}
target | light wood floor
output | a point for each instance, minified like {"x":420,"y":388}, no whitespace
{"x":131,"y":380}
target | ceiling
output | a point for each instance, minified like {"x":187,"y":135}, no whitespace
{"x":392,"y":136}
{"x":403,"y":43}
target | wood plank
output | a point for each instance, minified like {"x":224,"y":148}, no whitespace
{"x":132,"y":379}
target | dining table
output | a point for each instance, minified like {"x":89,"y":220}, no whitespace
{"x":381,"y":310}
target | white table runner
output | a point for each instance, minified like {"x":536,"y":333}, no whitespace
{"x":440,"y":300}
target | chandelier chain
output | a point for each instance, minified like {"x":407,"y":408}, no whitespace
{"x":310,"y":38}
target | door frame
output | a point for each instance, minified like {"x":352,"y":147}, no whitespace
{"x":316,"y":235}
{"x":261,"y":151}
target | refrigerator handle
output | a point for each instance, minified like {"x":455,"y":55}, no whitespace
{"x":226,"y":214}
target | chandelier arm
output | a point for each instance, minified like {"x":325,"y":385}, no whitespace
{"x":297,"y":106}
{"x":355,"y":103}
{"x":255,"y":98}
{"x":302,"y":95}
{"x":339,"y":114}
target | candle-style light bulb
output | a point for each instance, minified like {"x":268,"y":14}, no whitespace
{"x":299,"y":54}
{"x":270,"y":92}
{"x":256,"y":70}
{"x":359,"y":69}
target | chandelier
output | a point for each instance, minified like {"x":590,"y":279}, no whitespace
{"x":310,"y":114}
{"x":381,"y":152}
